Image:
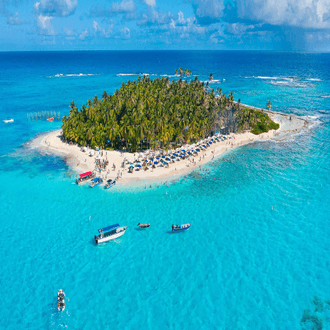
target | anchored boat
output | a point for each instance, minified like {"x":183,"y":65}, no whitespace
{"x":96,"y":182}
{"x":85,"y":177}
{"x":8,"y":120}
{"x":144,"y":225}
{"x":51,"y":119}
{"x":60,"y":300}
{"x":109,"y":233}
{"x":180,"y":227}
{"x":110,"y":184}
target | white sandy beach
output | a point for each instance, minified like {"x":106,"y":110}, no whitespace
{"x":81,"y":162}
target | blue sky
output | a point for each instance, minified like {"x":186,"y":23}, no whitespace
{"x":290,"y":25}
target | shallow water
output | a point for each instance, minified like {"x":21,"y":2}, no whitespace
{"x":257,"y":253}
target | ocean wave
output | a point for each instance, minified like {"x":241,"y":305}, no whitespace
{"x":134,"y":74}
{"x":128,"y":74}
{"x":314,"y":79}
{"x":63,"y":75}
{"x":325,"y":96}
{"x":290,"y":83}
{"x":214,"y":81}
{"x":266,"y":78}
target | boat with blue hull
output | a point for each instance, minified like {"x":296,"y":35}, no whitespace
{"x":96,"y":182}
{"x":109,"y":233}
{"x":110,"y":184}
{"x":184,"y":227}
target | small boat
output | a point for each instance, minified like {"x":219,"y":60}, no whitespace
{"x":109,"y":233}
{"x":51,"y":119}
{"x":110,"y":184}
{"x":96,"y":182}
{"x":144,"y":225}
{"x":85,"y":177}
{"x":8,"y":120}
{"x":60,"y":300}
{"x":180,"y":227}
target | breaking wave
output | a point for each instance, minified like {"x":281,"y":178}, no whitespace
{"x":63,"y":75}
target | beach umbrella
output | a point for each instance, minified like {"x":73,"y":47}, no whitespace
{"x":163,"y":157}
{"x":157,"y":158}
{"x":151,"y":159}
{"x":168,"y":159}
{"x":197,"y":149}
{"x":189,"y":153}
{"x":138,"y":162}
{"x":155,"y":163}
{"x":138,"y":165}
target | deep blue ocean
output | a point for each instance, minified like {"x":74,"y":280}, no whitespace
{"x":257,"y":255}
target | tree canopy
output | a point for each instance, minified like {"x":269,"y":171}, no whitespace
{"x":151,"y":113}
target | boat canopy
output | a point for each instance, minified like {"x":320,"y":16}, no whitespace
{"x":85,"y":174}
{"x":109,"y":228}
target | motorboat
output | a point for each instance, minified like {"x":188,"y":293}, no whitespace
{"x":60,"y":300}
{"x":180,"y":227}
{"x":51,"y":119}
{"x":95,"y":182}
{"x":109,"y":233}
{"x":8,"y":120}
{"x":143,"y":225}
{"x":85,"y":177}
{"x":110,"y":184}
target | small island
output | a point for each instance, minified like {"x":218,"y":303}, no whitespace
{"x":160,"y":129}
{"x":160,"y":113}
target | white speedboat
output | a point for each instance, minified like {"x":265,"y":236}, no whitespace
{"x":109,"y":233}
{"x":60,"y":300}
{"x":8,"y":120}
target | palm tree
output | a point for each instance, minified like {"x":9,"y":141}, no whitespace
{"x":269,"y":105}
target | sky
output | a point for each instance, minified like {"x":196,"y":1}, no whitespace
{"x":281,"y":25}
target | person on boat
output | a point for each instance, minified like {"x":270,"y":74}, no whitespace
{"x":173,"y":227}
{"x":101,"y":235}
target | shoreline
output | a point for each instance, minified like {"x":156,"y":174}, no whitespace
{"x":80,"y":162}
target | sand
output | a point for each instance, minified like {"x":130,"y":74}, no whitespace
{"x":81,"y":162}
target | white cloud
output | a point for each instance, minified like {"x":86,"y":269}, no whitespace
{"x":299,"y":13}
{"x":125,"y":33}
{"x":126,"y":6}
{"x":15,"y":20}
{"x":151,"y":3}
{"x":45,"y":26}
{"x":83,"y":34}
{"x":208,"y":11}
{"x":56,"y":8}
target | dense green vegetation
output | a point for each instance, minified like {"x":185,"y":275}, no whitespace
{"x":158,"y":113}
{"x":256,"y":120}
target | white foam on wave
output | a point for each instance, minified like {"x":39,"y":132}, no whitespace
{"x":265,"y":78}
{"x":214,"y":81}
{"x":135,"y":74}
{"x":127,"y":74}
{"x":63,"y":75}
{"x":290,"y":83}
{"x":325,"y":96}
{"x":314,"y":79}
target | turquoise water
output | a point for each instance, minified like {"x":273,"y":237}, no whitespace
{"x":257,"y":253}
